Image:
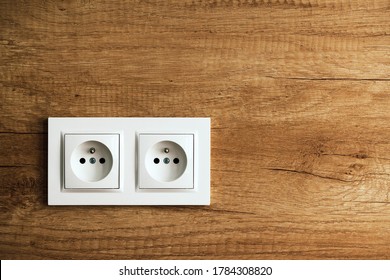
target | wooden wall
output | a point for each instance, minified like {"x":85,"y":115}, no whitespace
{"x":298,"y":92}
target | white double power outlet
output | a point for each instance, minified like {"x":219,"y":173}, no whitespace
{"x":129,"y":161}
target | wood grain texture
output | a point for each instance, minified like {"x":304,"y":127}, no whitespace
{"x":298,"y":93}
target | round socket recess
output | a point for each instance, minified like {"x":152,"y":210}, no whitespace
{"x":165,"y":161}
{"x":91,"y":161}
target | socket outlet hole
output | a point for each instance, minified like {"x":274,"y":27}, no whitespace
{"x":176,"y":161}
{"x":91,"y":172}
{"x":156,"y":160}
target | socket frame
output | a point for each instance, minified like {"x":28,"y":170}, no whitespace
{"x":128,"y":192}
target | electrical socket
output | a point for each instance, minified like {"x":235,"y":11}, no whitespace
{"x":128,"y":174}
{"x":91,"y":161}
{"x":165,"y":161}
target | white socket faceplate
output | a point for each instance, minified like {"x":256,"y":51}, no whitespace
{"x":129,"y":175}
{"x":91,"y":161}
{"x":166,"y":161}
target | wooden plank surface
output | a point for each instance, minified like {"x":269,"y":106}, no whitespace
{"x":298,"y":94}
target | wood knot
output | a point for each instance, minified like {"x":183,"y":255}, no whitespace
{"x":360,"y":155}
